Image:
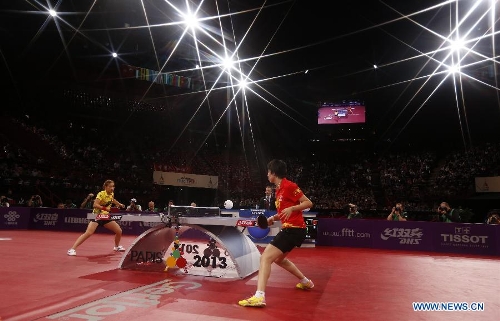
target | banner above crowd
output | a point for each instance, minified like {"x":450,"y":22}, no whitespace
{"x":129,"y":71}
{"x":183,"y":179}
{"x":488,"y":184}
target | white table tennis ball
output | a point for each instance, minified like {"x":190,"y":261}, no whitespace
{"x":228,"y":204}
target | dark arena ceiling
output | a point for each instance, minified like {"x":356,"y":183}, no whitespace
{"x":423,"y":69}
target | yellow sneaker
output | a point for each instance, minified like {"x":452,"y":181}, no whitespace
{"x":253,"y":302}
{"x":309,"y":285}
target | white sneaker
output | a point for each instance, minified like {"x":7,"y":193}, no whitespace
{"x":71,"y":252}
{"x":119,"y":248}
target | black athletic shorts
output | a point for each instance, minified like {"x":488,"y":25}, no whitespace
{"x":101,"y":222}
{"x":288,"y":238}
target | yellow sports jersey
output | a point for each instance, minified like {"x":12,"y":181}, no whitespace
{"x":105,"y":199}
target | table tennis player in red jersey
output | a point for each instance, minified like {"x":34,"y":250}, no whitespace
{"x":290,"y":202}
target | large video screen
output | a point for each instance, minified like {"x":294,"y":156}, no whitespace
{"x":341,"y":113}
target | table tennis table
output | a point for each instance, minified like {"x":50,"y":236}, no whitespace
{"x":207,"y":246}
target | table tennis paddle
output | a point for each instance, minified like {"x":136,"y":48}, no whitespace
{"x":262,"y":221}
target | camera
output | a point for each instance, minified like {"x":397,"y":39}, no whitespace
{"x":494,"y":219}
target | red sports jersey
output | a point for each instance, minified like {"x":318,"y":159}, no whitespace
{"x":288,"y":194}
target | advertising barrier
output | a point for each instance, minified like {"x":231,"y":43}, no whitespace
{"x":459,"y":238}
{"x":55,"y":219}
{"x":401,"y":236}
{"x":478,"y":239}
{"x":14,"y":218}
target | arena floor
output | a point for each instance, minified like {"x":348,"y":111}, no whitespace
{"x":39,"y":281}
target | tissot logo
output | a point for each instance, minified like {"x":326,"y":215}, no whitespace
{"x":456,"y":238}
{"x":462,"y":230}
{"x":463,"y":237}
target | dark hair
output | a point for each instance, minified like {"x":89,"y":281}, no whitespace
{"x":277,"y":167}
{"x":106,"y":183}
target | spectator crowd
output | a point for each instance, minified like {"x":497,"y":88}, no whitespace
{"x":65,"y":161}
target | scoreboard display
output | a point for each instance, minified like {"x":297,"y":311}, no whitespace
{"x":352,"y":112}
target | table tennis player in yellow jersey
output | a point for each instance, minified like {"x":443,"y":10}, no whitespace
{"x":102,"y":207}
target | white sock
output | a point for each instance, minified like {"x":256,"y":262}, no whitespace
{"x":260,"y":294}
{"x":304,"y":280}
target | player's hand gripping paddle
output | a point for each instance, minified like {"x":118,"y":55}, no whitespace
{"x":262,"y":221}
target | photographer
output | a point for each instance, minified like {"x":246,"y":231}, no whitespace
{"x":134,"y":207}
{"x":88,"y":202}
{"x":448,"y":214}
{"x":4,"y":201}
{"x":35,"y":201}
{"x":398,"y":213}
{"x":353,"y":212}
{"x":69,"y":204}
{"x":493,"y":217}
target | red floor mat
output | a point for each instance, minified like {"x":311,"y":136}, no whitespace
{"x":40,"y":282}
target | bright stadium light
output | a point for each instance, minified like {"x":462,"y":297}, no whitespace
{"x":228,"y":63}
{"x":456,"y":45}
{"x":52,"y":12}
{"x":243,"y":83}
{"x":190,"y":20}
{"x":453,"y":69}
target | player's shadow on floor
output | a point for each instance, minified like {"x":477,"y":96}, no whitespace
{"x":120,"y":278}
{"x":104,"y":258}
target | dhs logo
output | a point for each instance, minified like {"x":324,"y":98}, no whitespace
{"x":463,"y":235}
{"x":48,"y":219}
{"x":11,"y":217}
{"x":405,"y":235}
